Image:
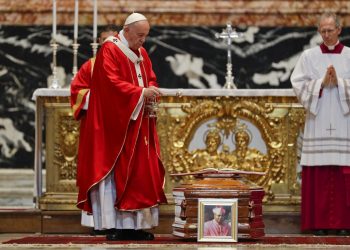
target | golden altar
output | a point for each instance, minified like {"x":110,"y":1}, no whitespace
{"x":244,"y":129}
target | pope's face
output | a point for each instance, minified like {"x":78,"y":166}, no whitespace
{"x":329,"y":31}
{"x":136,"y":34}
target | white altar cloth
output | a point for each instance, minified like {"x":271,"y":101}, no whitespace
{"x":186,"y":92}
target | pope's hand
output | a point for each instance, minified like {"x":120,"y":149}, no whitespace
{"x":151,"y":92}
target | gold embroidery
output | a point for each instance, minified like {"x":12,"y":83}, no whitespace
{"x":146,"y":142}
{"x":79,"y":100}
{"x":92,"y":60}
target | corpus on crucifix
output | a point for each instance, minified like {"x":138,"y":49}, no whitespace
{"x":228,"y":35}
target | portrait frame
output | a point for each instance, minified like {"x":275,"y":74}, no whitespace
{"x":207,"y":230}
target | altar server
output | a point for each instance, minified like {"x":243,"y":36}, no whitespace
{"x":123,"y":177}
{"x":321,"y":81}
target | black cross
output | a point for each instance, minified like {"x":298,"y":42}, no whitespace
{"x":330,"y":129}
{"x":139,"y":76}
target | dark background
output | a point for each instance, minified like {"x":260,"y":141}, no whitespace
{"x":25,"y":57}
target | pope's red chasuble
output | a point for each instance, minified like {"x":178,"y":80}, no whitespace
{"x":116,"y":139}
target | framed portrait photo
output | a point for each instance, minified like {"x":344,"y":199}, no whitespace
{"x":217,"y":220}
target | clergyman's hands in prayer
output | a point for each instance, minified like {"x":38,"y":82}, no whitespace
{"x":330,"y":80}
{"x":151,"y":92}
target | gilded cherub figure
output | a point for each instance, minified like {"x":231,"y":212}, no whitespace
{"x":210,"y":157}
{"x":245,"y":158}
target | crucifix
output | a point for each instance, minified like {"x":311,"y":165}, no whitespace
{"x":228,"y":34}
{"x":330,"y":129}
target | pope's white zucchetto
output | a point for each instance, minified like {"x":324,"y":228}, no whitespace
{"x":134,"y":17}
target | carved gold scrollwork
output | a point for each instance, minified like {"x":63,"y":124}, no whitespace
{"x":66,"y":147}
{"x":226,"y":113}
{"x":296,"y":123}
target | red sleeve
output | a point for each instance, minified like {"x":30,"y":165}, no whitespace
{"x":113,"y":98}
{"x":80,"y":86}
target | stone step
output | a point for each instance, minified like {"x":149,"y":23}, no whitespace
{"x":16,"y":191}
{"x":17,"y":187}
{"x":16,"y":178}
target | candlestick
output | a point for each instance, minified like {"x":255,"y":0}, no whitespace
{"x":95,"y":21}
{"x":54,"y":19}
{"x":76,"y":11}
{"x":94,"y":46}
{"x":54,"y":83}
{"x":75,"y":57}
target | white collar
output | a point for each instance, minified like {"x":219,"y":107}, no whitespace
{"x":332,"y":47}
{"x":123,"y":39}
{"x":125,"y":49}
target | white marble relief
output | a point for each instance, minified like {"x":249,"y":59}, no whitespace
{"x":192,"y":68}
{"x":11,"y":140}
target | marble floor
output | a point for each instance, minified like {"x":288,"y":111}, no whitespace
{"x":230,"y":246}
{"x":22,"y":197}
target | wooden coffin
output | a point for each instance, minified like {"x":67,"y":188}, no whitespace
{"x":250,"y":216}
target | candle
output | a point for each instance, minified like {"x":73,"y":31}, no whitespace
{"x":95,"y":22}
{"x":54,"y":19}
{"x":76,"y":10}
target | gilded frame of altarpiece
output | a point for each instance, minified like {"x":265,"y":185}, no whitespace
{"x":278,"y":119}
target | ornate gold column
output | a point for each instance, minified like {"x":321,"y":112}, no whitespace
{"x":62,"y":137}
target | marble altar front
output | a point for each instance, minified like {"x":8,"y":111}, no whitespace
{"x":244,"y":129}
